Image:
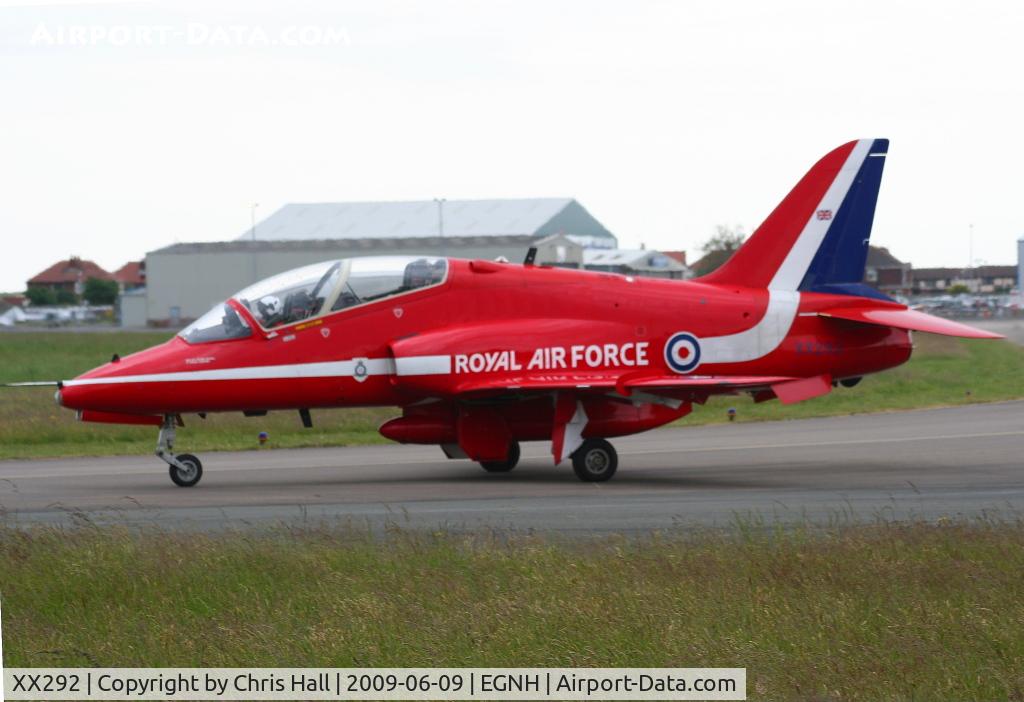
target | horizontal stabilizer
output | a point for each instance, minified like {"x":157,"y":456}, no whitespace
{"x":34,"y":384}
{"x":911,"y":320}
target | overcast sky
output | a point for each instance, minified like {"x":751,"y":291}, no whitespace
{"x":126,"y":127}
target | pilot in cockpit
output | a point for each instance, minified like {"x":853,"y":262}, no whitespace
{"x":270,"y":309}
{"x":297,"y":306}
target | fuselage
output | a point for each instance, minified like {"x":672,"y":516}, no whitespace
{"x":487,"y":320}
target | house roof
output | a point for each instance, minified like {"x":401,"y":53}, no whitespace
{"x":965,"y":273}
{"x":879,"y":257}
{"x":710,"y":261}
{"x":997,"y":271}
{"x":70,"y":271}
{"x":937,"y":273}
{"x":131,"y":273}
{"x":423,"y":218}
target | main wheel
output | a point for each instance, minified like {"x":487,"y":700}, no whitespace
{"x":505,"y":466}
{"x":191,"y":474}
{"x":595,"y":461}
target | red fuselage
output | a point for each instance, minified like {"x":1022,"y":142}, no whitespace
{"x":492,"y":321}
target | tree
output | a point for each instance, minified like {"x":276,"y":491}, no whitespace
{"x":100,"y":292}
{"x":40,"y":296}
{"x":66,"y":297}
{"x":719,"y":248}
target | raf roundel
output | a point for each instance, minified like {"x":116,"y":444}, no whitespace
{"x":682,"y":352}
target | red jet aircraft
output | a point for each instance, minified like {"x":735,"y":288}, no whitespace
{"x":482,"y":355}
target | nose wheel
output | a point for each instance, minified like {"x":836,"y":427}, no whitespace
{"x":187,"y":472}
{"x":185,"y":469}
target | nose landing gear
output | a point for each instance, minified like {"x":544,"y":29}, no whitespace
{"x":185,"y":469}
{"x":188,"y":471}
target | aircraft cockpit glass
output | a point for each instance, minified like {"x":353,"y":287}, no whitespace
{"x":291,"y":296}
{"x":319,"y":289}
{"x":219,"y":324}
{"x":374,"y":278}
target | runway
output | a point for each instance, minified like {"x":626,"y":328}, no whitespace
{"x":965,"y":461}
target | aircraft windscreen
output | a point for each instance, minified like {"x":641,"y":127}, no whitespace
{"x":219,"y":324}
{"x":312,"y":291}
{"x":291,"y":296}
{"x":315,"y":290}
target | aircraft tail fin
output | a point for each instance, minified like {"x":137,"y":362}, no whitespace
{"x":816,"y":239}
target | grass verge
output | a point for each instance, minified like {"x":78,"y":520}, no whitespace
{"x":886,"y":611}
{"x":943,"y":371}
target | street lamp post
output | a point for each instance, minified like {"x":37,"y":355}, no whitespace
{"x":252,"y":214}
{"x":440,"y":222}
{"x":255,"y":263}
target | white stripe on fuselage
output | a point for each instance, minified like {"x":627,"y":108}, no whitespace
{"x":758,"y":341}
{"x":329,"y":369}
{"x":783,"y":297}
{"x":423,"y":365}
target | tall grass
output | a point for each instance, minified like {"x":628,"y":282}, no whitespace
{"x":887,"y":611}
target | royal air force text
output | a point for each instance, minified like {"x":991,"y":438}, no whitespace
{"x":628,"y":355}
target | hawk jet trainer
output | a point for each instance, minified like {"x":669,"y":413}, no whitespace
{"x":479,"y":356}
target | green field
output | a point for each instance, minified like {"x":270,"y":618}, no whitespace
{"x":867,"y":613}
{"x":943,"y":371}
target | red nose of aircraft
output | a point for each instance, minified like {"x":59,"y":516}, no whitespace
{"x":124,"y":384}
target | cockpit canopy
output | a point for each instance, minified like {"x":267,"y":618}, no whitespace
{"x":315,"y":290}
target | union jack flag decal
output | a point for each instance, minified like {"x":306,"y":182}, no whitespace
{"x":824,"y":214}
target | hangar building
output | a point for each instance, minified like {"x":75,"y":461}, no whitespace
{"x":185,"y":280}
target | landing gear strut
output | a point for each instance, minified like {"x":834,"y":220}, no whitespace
{"x":503,"y":466}
{"x":595,"y":461}
{"x":185,"y":469}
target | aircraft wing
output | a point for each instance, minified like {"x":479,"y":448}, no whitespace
{"x":911,"y":320}
{"x":623,"y":384}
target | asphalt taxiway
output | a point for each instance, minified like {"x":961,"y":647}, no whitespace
{"x":963,"y":461}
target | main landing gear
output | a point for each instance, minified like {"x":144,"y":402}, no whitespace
{"x":185,"y":469}
{"x":505,"y":466}
{"x":595,"y":461}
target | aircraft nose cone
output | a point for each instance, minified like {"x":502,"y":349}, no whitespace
{"x":74,"y":397}
{"x":110,"y":388}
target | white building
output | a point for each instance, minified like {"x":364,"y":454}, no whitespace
{"x":185,"y":280}
{"x":1020,"y":266}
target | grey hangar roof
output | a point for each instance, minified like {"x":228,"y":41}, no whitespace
{"x":532,"y":217}
{"x":332,"y":246}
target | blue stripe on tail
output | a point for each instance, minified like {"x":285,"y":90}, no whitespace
{"x":838,"y":266}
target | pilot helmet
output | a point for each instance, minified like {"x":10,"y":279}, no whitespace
{"x":271,"y":305}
